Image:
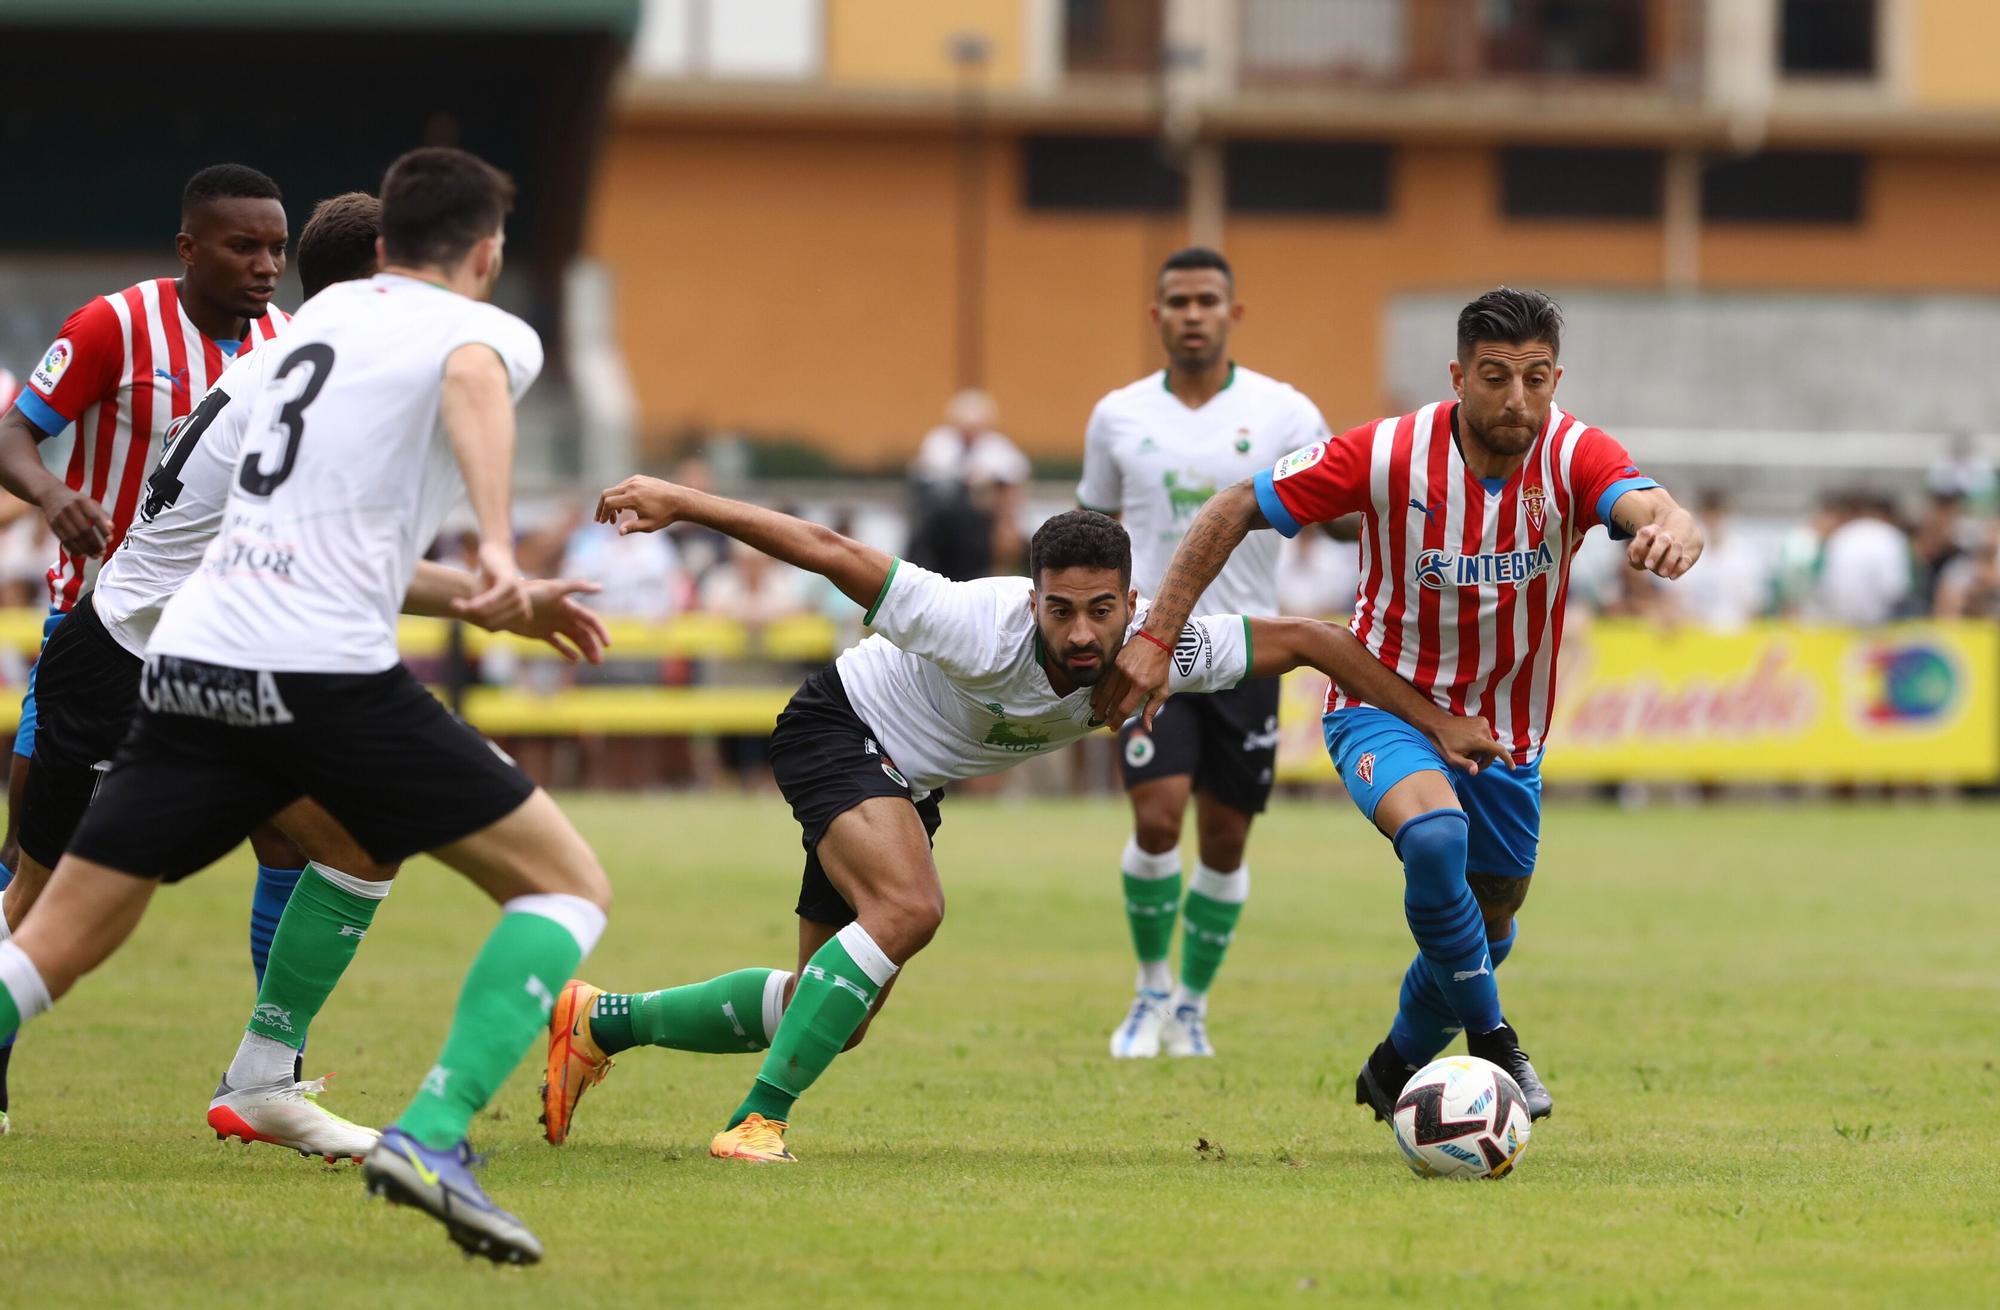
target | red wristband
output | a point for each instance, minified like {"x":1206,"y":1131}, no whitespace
{"x":1156,"y":641}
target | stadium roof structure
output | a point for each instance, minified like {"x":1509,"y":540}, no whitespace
{"x":617,"y":16}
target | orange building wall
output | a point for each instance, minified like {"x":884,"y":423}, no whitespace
{"x":800,"y":282}
{"x":905,"y":42}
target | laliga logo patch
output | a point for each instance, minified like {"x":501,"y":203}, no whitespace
{"x":1192,"y":650}
{"x":1535,"y":501}
{"x":1298,"y":461}
{"x":53,"y":366}
{"x":1364,"y":769}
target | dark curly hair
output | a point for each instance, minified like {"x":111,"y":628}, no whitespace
{"x":1081,"y":538}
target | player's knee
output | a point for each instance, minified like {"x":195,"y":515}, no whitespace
{"x":274,"y":850}
{"x":904,"y":923}
{"x":1432,"y":847}
{"x":1156,"y":828}
{"x":1500,"y":898}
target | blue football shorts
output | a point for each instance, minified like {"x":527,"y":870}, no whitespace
{"x":1374,"y":750}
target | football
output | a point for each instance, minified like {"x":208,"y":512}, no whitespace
{"x":1461,"y":1117}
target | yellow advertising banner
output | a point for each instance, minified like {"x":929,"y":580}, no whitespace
{"x":1776,"y":702}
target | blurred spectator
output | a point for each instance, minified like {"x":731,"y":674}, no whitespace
{"x":701,"y":547}
{"x":1864,"y":578}
{"x":26,"y":549}
{"x":1969,"y":586}
{"x":1966,"y":475}
{"x":968,"y":446}
{"x":1732,"y":584}
{"x":969,"y":487}
{"x":639,"y":571}
{"x":1319,"y":571}
{"x":756,"y":591}
{"x":753,"y":589}
{"x":1801,"y":553}
{"x":1941,"y":537}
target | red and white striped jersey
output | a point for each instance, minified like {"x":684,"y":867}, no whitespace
{"x":1463,"y":583}
{"x":123,"y":368}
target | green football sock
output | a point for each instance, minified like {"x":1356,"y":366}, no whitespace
{"x":1152,"y":897}
{"x":1214,"y":903}
{"x":503,"y":1007}
{"x":833,"y":996}
{"x":719,"y":1017}
{"x":322,"y":926}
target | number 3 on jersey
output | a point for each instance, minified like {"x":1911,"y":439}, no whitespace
{"x":318,"y":357}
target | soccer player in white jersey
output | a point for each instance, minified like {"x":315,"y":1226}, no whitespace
{"x":121,"y":369}
{"x":959,"y":680}
{"x":1471,"y":511}
{"x":273,"y":673}
{"x":1154,"y":452}
{"x":89,"y":693}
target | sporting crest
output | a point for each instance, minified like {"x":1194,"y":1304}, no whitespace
{"x":1534,"y":499}
{"x":1364,"y":769}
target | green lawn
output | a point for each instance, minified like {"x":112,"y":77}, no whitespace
{"x":1772,"y":1036}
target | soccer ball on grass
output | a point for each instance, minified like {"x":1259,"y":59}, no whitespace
{"x":1461,"y":1117}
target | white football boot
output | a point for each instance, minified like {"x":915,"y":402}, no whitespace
{"x":1185,"y":1033}
{"x":287,"y":1114}
{"x":1138,"y":1038}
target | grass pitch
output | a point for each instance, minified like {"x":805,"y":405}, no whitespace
{"x":1772,"y":1037}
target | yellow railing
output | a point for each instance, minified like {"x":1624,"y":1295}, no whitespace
{"x":643,"y":711}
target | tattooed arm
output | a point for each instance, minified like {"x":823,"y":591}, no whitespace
{"x":1140,"y":676}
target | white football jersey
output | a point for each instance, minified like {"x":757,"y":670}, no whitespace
{"x":179,"y":508}
{"x":345,"y":477}
{"x":953,"y":685}
{"x":1154,"y":462}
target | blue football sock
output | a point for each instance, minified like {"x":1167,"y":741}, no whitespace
{"x":1444,"y":917}
{"x":274,"y":889}
{"x":1424,"y":1023}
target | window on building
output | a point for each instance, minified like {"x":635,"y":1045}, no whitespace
{"x":1785,"y":187}
{"x":1562,"y":182}
{"x":1113,"y":36}
{"x":1592,"y":37}
{"x":1098,"y":172}
{"x":1307,"y":177}
{"x":1828,"y":37}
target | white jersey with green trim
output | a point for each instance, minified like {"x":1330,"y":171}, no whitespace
{"x":952,"y":679}
{"x":1154,"y":462}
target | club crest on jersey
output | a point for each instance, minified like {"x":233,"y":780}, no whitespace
{"x":1535,"y":501}
{"x":1364,"y":769}
{"x":1439,"y":569}
{"x":53,"y":366}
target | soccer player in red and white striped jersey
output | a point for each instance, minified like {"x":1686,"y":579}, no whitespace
{"x":1472,"y":510}
{"x":123,"y":367}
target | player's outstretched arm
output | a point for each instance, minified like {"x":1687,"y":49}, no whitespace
{"x":1140,"y":675}
{"x":1281,"y":645}
{"x":859,"y":571}
{"x":77,"y":521}
{"x":476,"y":406}
{"x":554,"y":614}
{"x":1666,"y":540}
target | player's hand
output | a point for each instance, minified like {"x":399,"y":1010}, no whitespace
{"x":1658,"y":550}
{"x":79,"y":522}
{"x":651,"y":503}
{"x":558,"y":618}
{"x":502,"y":602}
{"x":1467,"y":744}
{"x":1138,"y":680}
